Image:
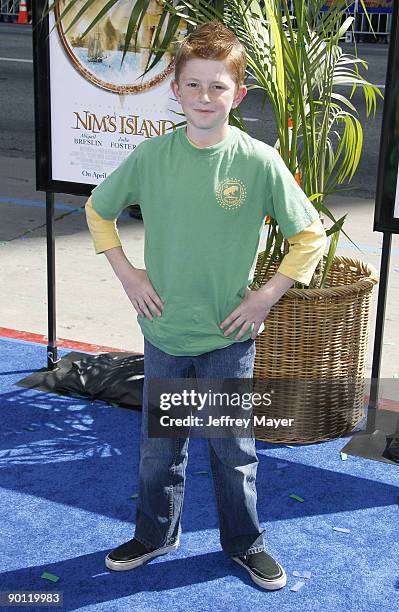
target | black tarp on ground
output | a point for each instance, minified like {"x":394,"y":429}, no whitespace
{"x":111,"y":377}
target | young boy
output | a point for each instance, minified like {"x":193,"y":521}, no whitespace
{"x":204,"y":192}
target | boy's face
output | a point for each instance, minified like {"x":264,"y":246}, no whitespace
{"x":207,"y":93}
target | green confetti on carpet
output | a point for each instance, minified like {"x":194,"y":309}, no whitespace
{"x":51,"y":577}
{"x":201,"y":473}
{"x":296,"y":497}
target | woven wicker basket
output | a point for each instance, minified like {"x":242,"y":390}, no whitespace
{"x":314,"y":348}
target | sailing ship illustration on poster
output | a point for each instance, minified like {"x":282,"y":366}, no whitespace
{"x":98,"y":54}
{"x":94,"y":49}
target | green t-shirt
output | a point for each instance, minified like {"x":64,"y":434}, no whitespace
{"x":203,"y":211}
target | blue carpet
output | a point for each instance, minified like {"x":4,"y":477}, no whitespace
{"x":65,"y":490}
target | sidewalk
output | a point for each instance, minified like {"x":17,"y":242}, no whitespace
{"x":91,"y":304}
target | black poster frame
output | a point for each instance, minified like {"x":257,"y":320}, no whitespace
{"x":384,"y":220}
{"x":42,"y":101}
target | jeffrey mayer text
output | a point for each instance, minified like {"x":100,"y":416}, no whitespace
{"x":223,"y":421}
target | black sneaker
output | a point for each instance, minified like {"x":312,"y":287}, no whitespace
{"x":264,"y":570}
{"x":132,"y":554}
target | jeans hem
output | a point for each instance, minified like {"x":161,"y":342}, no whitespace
{"x":145,"y":543}
{"x":150,"y":545}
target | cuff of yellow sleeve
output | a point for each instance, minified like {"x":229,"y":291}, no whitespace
{"x":103,"y":231}
{"x":102,"y":245}
{"x":305,"y":251}
{"x":294,"y":273}
{"x":301,"y":261}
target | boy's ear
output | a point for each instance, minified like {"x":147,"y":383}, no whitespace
{"x":175,"y":88}
{"x":240,"y":95}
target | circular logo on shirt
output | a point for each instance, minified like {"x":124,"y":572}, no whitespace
{"x":231,"y":193}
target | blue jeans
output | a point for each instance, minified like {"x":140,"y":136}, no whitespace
{"x":163,"y":461}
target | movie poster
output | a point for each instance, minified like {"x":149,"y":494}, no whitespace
{"x":101,"y":110}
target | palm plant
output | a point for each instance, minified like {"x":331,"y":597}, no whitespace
{"x":294,"y":58}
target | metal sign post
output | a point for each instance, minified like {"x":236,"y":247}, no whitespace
{"x":51,"y":313}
